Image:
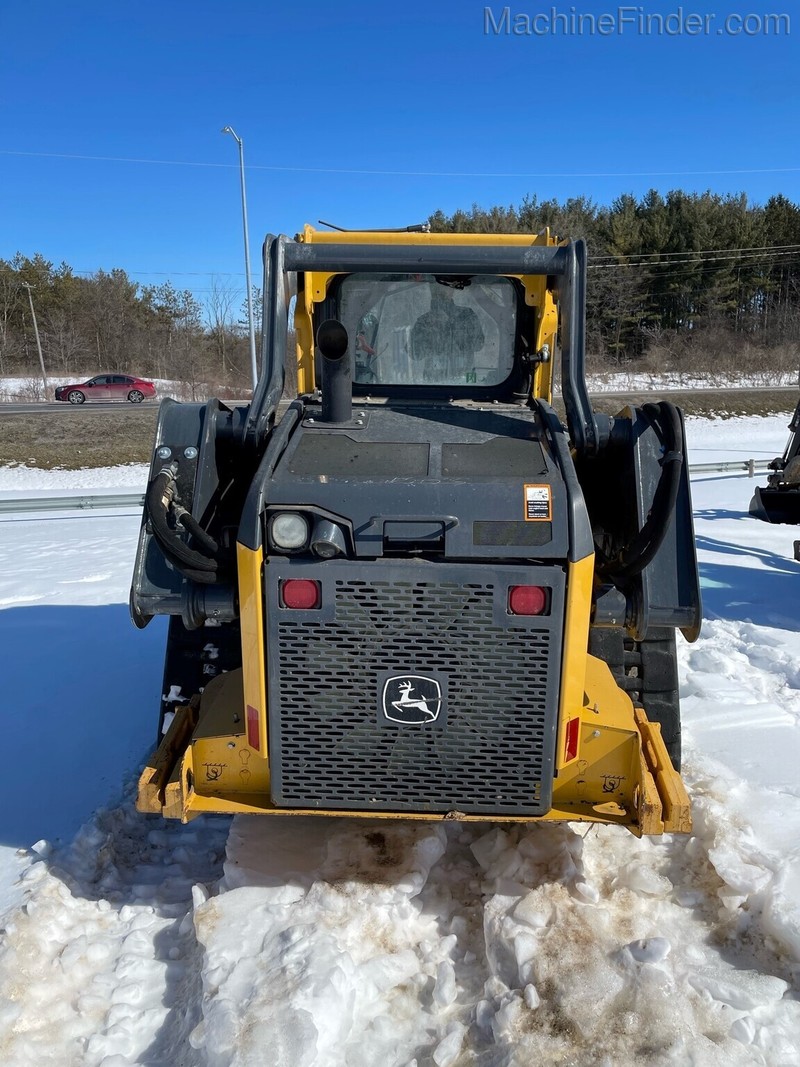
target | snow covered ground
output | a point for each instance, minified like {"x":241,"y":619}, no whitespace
{"x":268,"y":941}
{"x":614,"y":381}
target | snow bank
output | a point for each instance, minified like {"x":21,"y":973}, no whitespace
{"x":398,"y":943}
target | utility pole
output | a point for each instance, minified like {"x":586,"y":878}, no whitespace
{"x":253,"y":363}
{"x":29,"y":287}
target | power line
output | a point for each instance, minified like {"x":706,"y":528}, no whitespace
{"x":709,"y":270}
{"x":406,"y":173}
{"x":696,"y":252}
{"x":698,"y":258}
{"x":693,"y":272}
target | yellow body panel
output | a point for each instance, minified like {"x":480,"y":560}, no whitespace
{"x":406,"y":237}
{"x":580,"y":577}
{"x":251,"y":611}
{"x":223,"y":762}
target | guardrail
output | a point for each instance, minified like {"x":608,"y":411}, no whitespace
{"x":83,"y":502}
{"x":749,"y":466}
{"x":98,"y":501}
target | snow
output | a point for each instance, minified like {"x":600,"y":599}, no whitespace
{"x":31,"y":481}
{"x":621,"y":380}
{"x":300,"y":941}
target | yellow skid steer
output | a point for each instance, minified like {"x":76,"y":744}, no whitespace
{"x":412,"y":591}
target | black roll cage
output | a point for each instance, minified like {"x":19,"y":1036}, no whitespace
{"x":564,"y":264}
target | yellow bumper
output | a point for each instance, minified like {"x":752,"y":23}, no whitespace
{"x":620,"y":772}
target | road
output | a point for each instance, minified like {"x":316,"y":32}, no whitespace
{"x":635,"y":395}
{"x":43,"y":407}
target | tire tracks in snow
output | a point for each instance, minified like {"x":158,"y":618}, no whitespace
{"x":495,"y":946}
{"x":100,"y":963}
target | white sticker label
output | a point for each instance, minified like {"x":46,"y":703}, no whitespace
{"x":537,"y":503}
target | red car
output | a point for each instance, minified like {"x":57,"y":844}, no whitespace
{"x":108,"y":387}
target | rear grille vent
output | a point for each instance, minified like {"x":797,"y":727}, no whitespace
{"x":491,"y":750}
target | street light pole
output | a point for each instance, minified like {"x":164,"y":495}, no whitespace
{"x":253,"y":363}
{"x":29,"y":287}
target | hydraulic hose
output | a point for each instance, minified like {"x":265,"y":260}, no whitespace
{"x":192,"y":563}
{"x":201,"y":536}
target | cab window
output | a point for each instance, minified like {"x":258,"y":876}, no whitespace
{"x":429,"y":330}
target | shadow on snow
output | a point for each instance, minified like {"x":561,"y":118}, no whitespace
{"x":765,"y":594}
{"x":81,"y":711}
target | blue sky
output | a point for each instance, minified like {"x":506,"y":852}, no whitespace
{"x":365,"y":115}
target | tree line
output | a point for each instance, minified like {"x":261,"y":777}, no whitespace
{"x":683,"y":281}
{"x":108,"y":322}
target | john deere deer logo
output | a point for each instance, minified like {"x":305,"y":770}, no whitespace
{"x":412,"y":699}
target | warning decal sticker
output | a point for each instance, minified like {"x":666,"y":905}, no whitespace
{"x":537,"y":503}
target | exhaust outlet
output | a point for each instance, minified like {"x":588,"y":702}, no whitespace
{"x":337,"y":390}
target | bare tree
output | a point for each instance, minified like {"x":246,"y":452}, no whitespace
{"x":9,"y":298}
{"x":66,"y":345}
{"x":219,"y":318}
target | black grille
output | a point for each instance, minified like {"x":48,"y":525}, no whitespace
{"x":491,"y":752}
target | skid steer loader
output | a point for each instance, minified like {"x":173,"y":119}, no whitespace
{"x":415,"y":593}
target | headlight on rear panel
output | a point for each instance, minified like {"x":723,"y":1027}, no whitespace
{"x":288,"y":531}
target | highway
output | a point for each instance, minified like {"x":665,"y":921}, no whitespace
{"x":43,"y":407}
{"x":635,"y":394}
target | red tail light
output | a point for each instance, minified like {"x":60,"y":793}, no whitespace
{"x":302,"y":594}
{"x":253,"y":731}
{"x":572,"y":737}
{"x":527,"y":600}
